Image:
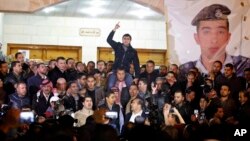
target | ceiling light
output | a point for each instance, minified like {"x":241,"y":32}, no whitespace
{"x":98,"y":3}
{"x":49,"y":9}
{"x":141,"y":13}
{"x":93,"y":11}
{"x":139,"y":6}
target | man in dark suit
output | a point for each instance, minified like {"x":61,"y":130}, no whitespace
{"x":245,"y":80}
{"x":35,"y":81}
{"x":59,"y":71}
{"x":15,"y":76}
{"x":96,"y":93}
{"x":137,"y":109}
{"x":72,"y":100}
{"x":3,"y":70}
{"x":150,"y":74}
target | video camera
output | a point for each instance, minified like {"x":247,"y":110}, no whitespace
{"x":4,"y":109}
{"x":111,"y":115}
{"x":207,"y":86}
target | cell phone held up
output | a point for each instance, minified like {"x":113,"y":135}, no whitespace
{"x":27,"y":117}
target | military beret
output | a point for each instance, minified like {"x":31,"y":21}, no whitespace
{"x":212,"y":12}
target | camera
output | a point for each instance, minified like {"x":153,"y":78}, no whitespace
{"x":27,"y":117}
{"x":207,"y":86}
{"x":4,"y":109}
{"x":202,"y":118}
{"x":139,"y":120}
{"x":111,"y":115}
{"x":196,"y":113}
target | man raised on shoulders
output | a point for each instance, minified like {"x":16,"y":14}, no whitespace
{"x":125,"y":55}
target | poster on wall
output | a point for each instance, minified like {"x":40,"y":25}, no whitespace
{"x":26,"y":54}
{"x":201,"y":32}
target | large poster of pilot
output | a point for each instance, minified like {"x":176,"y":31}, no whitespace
{"x":201,"y":32}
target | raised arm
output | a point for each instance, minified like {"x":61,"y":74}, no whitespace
{"x":179,"y":115}
{"x":110,"y":40}
{"x":166,"y":109}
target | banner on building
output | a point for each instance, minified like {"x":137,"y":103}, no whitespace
{"x":197,"y":33}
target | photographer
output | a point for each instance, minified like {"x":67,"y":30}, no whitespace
{"x":55,"y":109}
{"x":199,"y":115}
{"x":114,"y":111}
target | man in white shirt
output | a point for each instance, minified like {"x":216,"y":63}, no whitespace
{"x":136,"y":110}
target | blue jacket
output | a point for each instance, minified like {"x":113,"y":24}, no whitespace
{"x":34,"y":83}
{"x":18,"y":102}
{"x":124,"y":58}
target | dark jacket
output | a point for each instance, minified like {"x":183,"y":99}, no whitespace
{"x":39,"y":103}
{"x":98,"y":96}
{"x":18,"y":102}
{"x":10,"y":81}
{"x":124,"y":58}
{"x":72,"y":104}
{"x":55,"y":74}
{"x":115,"y":108}
{"x":125,"y":97}
{"x":128,"y":116}
{"x":34,"y":83}
{"x":185,"y":111}
{"x":150,"y":77}
{"x":243,"y":114}
{"x":71,"y":74}
{"x":3,"y":76}
{"x":233,"y":82}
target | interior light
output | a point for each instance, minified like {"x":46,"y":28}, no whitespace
{"x":141,"y":13}
{"x":93,"y":11}
{"x":98,"y":3}
{"x":49,"y":9}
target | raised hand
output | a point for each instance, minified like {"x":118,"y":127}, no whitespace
{"x":117,"y":26}
{"x":154,"y":88}
{"x":166,"y":109}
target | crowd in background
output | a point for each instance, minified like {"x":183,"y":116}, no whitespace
{"x":76,"y":101}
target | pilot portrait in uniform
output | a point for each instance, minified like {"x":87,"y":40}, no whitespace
{"x":212,"y":35}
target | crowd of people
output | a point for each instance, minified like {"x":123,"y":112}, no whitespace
{"x":76,"y":101}
{"x":121,"y":100}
